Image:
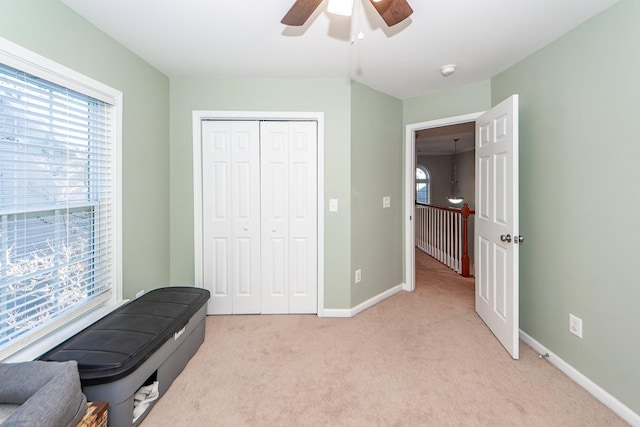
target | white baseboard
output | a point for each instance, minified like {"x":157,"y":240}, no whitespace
{"x":598,"y":392}
{"x":350,"y":312}
{"x":335,"y":312}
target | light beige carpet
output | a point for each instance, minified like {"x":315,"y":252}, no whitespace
{"x":416,"y":359}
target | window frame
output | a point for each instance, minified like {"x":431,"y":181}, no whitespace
{"x":34,"y":344}
{"x":423,"y":181}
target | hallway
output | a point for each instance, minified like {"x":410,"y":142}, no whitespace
{"x":442,"y":291}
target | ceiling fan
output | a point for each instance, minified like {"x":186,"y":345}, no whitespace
{"x":391,"y":11}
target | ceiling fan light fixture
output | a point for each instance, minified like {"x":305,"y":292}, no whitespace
{"x":447,"y":70}
{"x":340,"y":7}
{"x":392,"y":12}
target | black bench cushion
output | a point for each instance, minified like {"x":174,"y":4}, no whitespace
{"x":117,"y":344}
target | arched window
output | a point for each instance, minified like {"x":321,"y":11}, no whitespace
{"x":423,"y":185}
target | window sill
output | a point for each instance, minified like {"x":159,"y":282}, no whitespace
{"x":46,"y":343}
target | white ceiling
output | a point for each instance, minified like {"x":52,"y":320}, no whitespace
{"x":244,"y":38}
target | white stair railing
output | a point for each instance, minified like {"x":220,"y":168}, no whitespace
{"x":441,"y":232}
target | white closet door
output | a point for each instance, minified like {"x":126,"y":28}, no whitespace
{"x":303,"y":223}
{"x":289,"y":217}
{"x":231,"y":216}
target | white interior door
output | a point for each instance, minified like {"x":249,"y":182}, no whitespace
{"x":289,"y":217}
{"x":231,"y":215}
{"x":497,"y":245}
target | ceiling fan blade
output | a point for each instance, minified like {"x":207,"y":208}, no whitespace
{"x":393,"y":11}
{"x":300,"y":12}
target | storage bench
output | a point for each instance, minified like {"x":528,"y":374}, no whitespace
{"x":147,"y":340}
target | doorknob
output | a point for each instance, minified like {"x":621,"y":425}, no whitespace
{"x":246,"y":229}
{"x":505,"y":238}
{"x":518,"y":239}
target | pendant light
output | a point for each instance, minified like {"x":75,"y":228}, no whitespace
{"x":455,"y":197}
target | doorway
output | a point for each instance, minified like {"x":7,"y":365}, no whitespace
{"x":497,"y":226}
{"x":410,"y":170}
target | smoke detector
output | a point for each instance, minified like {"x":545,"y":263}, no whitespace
{"x":447,"y":70}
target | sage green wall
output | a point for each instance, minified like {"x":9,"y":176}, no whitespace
{"x":456,"y":101}
{"x":376,"y":171}
{"x":579,"y":201}
{"x":333,"y":97}
{"x":54,"y":31}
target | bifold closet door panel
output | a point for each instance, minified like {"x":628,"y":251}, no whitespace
{"x":231,"y":215}
{"x":288,"y":217}
{"x":303,"y":221}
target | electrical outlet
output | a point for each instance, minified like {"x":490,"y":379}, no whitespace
{"x":575,"y":325}
{"x":386,"y":202}
{"x":333,"y":205}
{"x":358,"y":276}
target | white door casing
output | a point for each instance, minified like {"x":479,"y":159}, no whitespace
{"x":410,"y":188}
{"x":496,"y":222}
{"x":289,"y":217}
{"x":231,"y":212}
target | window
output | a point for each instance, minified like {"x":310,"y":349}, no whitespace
{"x":59,"y":207}
{"x":423,"y":185}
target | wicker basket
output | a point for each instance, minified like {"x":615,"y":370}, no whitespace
{"x":96,"y":416}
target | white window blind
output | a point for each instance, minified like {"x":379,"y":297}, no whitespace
{"x":56,"y":205}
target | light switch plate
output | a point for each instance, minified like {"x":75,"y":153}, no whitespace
{"x":333,"y":205}
{"x":386,"y":202}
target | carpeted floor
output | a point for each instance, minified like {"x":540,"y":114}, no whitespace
{"x":417,"y":359}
